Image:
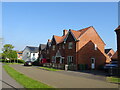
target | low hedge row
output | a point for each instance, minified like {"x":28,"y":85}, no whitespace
{"x":12,"y":61}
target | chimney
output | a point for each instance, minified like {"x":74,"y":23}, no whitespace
{"x":65,"y":32}
{"x":49,"y":40}
{"x":117,"y":30}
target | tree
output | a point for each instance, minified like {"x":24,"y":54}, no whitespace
{"x":7,"y":47}
{"x":9,"y":53}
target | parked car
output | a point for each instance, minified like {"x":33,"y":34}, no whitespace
{"x":112,"y":65}
{"x":28,"y":63}
{"x":43,"y":61}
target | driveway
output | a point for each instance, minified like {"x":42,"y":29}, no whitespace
{"x":60,"y":80}
{"x":8,"y":82}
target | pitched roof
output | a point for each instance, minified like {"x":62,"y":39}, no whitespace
{"x":32,"y":49}
{"x":118,"y":28}
{"x":49,"y":43}
{"x":19,"y":52}
{"x":107,"y":50}
{"x":76,"y":34}
{"x":115,"y":56}
{"x":58,"y":38}
{"x":42,"y":46}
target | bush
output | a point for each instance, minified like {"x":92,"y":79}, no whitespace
{"x":15,"y":61}
{"x":21,"y":61}
{"x":2,"y":60}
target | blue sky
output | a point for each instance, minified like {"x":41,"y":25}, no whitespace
{"x":29,"y":24}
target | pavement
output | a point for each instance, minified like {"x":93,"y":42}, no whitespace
{"x":8,"y":82}
{"x":60,"y":80}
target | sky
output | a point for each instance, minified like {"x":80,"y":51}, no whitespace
{"x":32,"y":23}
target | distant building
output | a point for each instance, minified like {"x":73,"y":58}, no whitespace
{"x":110,"y":52}
{"x":115,"y":56}
{"x":42,"y":54}
{"x":30,"y":53}
{"x":19,"y":54}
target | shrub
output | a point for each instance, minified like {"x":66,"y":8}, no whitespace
{"x":2,"y":60}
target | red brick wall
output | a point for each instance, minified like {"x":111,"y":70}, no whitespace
{"x":70,"y":52}
{"x":85,"y":49}
{"x":91,"y":34}
{"x":87,"y":52}
{"x":118,"y":45}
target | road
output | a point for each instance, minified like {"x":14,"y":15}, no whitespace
{"x":60,"y":80}
{"x":8,"y":82}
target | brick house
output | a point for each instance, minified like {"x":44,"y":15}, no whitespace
{"x":117,"y":30}
{"x":81,"y":47}
{"x":110,"y":52}
{"x":115,"y":56}
{"x":42,"y":53}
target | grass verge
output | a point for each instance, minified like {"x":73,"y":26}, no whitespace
{"x":12,"y":63}
{"x":49,"y":69}
{"x":113,"y":79}
{"x":24,"y":80}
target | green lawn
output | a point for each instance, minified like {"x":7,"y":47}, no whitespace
{"x":113,"y":79}
{"x":49,"y":69}
{"x":24,"y":80}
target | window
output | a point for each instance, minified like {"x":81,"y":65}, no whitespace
{"x":53,"y":59}
{"x":53,"y":47}
{"x":28,"y":54}
{"x":70,"y":45}
{"x":69,"y":59}
{"x":47,"y":51}
{"x":110,"y":55}
{"x":92,"y":60}
{"x":63,"y":46}
{"x":33,"y":54}
{"x":95,"y":46}
{"x":62,"y":60}
{"x":59,"y":46}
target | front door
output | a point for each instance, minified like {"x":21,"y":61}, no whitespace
{"x":57,"y":59}
{"x":92,"y":63}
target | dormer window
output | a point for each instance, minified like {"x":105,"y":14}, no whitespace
{"x":53,"y":47}
{"x":95,"y":46}
{"x":70,"y":45}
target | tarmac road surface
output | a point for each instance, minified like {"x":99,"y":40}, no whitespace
{"x":59,"y":80}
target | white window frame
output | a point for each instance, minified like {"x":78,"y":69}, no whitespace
{"x":69,"y":59}
{"x":53,"y":47}
{"x":70,"y":45}
{"x":63,"y":46}
{"x":53,"y":59}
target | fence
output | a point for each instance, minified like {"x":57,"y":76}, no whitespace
{"x":60,"y":66}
